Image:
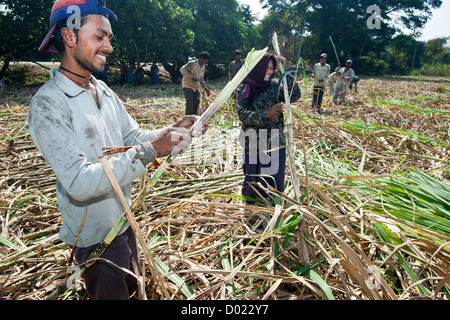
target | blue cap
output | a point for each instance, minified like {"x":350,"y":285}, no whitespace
{"x":62,"y":9}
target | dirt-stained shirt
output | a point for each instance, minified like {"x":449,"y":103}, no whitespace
{"x":70,"y":131}
{"x":192,"y":69}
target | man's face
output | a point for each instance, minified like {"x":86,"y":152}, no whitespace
{"x":322,"y":60}
{"x":349,"y":64}
{"x":202,"y":61}
{"x":237,"y":57}
{"x":93,"y":45}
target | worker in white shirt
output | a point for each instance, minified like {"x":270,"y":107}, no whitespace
{"x":342,"y":84}
{"x":193,"y":79}
{"x":321,"y":72}
{"x":332,"y":79}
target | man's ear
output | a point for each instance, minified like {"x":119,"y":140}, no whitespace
{"x":69,"y":37}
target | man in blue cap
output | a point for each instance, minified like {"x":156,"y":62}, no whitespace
{"x":73,"y":117}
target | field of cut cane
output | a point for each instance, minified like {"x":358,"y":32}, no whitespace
{"x":373,"y":221}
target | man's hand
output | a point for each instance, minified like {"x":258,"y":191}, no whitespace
{"x":173,"y":140}
{"x":188,"y":121}
{"x":275,"y":111}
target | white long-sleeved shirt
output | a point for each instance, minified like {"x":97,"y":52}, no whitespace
{"x":70,"y":132}
{"x":321,"y":72}
{"x":347,"y":75}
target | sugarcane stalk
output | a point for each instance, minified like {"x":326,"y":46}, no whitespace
{"x":290,"y":144}
{"x":335,"y":52}
{"x":130,"y":217}
{"x":251,"y":61}
{"x":305,"y":159}
{"x":304,"y":249}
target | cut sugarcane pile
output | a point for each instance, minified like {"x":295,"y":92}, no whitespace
{"x":378,"y":228}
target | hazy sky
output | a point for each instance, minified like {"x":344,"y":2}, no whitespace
{"x":437,"y":26}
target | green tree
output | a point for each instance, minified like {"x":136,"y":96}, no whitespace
{"x":23,"y":25}
{"x":150,"y":29}
{"x":165,"y":30}
{"x":346,"y":22}
{"x":220,"y":27}
{"x":288,"y":28}
{"x":436,"y":51}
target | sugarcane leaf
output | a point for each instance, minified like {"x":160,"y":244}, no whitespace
{"x":314,"y":276}
{"x":9,"y":244}
{"x":387,"y":236}
{"x":180,"y":283}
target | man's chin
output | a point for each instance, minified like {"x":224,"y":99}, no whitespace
{"x":100,"y":68}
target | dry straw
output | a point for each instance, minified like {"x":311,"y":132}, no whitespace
{"x":377,"y":216}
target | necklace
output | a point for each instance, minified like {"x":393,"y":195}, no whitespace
{"x":75,"y":74}
{"x":85,"y":85}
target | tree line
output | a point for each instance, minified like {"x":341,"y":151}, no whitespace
{"x":171,"y":31}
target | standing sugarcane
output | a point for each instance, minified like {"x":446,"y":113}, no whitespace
{"x":304,"y":256}
{"x":290,"y":144}
{"x":335,"y":52}
{"x":251,"y":61}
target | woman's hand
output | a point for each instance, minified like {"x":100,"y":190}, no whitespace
{"x":275,"y":111}
{"x":282,"y":60}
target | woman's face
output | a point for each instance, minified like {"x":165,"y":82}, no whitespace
{"x":269,"y":71}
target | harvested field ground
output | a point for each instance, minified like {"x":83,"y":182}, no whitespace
{"x":374,"y":209}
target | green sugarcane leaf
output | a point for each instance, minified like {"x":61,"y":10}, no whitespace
{"x":9,"y":244}
{"x":184,"y":287}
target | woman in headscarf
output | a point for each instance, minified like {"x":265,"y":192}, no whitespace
{"x":262,"y":138}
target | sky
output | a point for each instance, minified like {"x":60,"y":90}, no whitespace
{"x":438,"y":26}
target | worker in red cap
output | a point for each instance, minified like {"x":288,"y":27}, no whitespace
{"x":73,"y":117}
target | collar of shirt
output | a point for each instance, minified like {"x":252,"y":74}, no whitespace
{"x":70,"y":88}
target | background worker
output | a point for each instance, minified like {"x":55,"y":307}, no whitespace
{"x":193,"y":78}
{"x":332,"y":80}
{"x":321,"y":72}
{"x":355,"y":82}
{"x":236,"y":64}
{"x":154,"y":73}
{"x":342,"y":84}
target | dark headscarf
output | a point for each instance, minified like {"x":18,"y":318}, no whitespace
{"x":254,"y":83}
